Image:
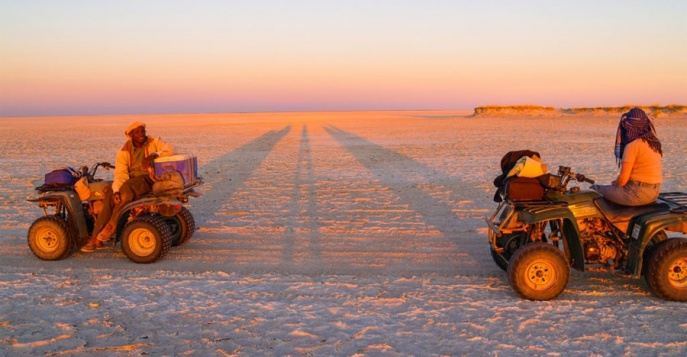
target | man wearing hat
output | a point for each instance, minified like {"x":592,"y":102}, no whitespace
{"x":133,"y":177}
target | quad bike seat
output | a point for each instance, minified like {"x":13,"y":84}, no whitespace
{"x":53,"y":188}
{"x":621,"y":215}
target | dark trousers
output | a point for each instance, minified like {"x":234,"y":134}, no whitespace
{"x":131,"y":190}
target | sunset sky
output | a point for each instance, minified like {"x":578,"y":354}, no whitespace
{"x":136,"y":57}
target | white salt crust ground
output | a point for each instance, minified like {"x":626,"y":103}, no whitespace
{"x":349,"y":233}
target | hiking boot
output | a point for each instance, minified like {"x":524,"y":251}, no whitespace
{"x":106,"y":233}
{"x":92,"y":245}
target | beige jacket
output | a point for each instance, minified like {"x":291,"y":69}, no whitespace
{"x":124,"y":158}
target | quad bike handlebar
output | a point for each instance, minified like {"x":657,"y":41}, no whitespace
{"x":565,"y":172}
{"x":565,"y":175}
{"x":90,"y":173}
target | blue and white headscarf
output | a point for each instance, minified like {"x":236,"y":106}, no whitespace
{"x":635,"y":124}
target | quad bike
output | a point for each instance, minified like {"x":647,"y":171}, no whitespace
{"x":147,"y":228}
{"x":537,"y":241}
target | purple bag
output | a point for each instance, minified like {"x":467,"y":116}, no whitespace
{"x":61,"y":177}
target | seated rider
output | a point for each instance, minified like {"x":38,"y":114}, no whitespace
{"x":133,"y":177}
{"x":638,"y":153}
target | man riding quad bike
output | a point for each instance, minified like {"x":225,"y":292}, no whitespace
{"x":146,"y":227}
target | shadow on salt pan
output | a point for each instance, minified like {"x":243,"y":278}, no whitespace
{"x":406,"y":177}
{"x":229,"y":172}
{"x":304,"y":184}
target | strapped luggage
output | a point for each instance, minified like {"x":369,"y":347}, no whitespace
{"x":523,"y":189}
{"x":65,"y":176}
{"x":507,"y":163}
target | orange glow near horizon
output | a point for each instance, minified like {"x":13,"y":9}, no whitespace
{"x":423,"y":58}
{"x":371,"y":86}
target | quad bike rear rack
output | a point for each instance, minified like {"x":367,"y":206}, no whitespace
{"x":679,"y":199}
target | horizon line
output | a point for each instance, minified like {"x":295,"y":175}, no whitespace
{"x":337,"y":110}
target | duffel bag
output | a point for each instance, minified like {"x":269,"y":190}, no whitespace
{"x":61,"y":177}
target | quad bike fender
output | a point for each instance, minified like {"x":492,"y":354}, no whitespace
{"x":164,"y":205}
{"x":71,"y":201}
{"x":152,"y":201}
{"x":99,"y":190}
{"x":571,"y":232}
{"x":643,"y":229}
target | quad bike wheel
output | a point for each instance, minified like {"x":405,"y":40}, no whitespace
{"x":538,"y":271}
{"x":146,"y":239}
{"x":49,"y":238}
{"x":667,"y":270}
{"x":182,"y":225}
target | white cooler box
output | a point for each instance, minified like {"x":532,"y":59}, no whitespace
{"x":187,"y":165}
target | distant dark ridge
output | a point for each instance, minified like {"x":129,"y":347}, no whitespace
{"x":655,"y":111}
{"x":652,"y":110}
{"x":514,"y":109}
